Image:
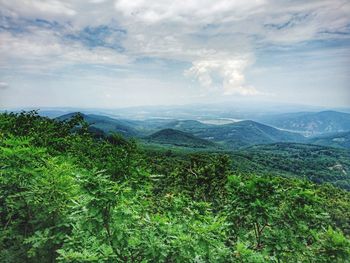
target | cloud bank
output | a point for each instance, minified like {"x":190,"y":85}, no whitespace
{"x":215,"y":43}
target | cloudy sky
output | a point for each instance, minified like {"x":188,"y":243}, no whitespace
{"x":117,"y":53}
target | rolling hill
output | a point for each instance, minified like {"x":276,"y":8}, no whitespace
{"x":178,"y":138}
{"x":311,"y":123}
{"x":186,"y":125}
{"x":233,"y":135}
{"x":317,"y":163}
{"x":240,"y":134}
{"x":230,"y":136}
{"x":339,"y":140}
{"x":106,"y":124}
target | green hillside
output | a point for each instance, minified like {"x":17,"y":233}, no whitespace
{"x":245,"y":133}
{"x":230,"y":136}
{"x":105,"y":124}
{"x":178,"y":138}
{"x":316,"y":163}
{"x":66,"y":196}
{"x":236,"y":135}
{"x":186,"y":125}
{"x":340,"y":140}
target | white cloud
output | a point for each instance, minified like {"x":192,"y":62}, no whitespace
{"x":34,"y":8}
{"x":305,"y":21}
{"x":218,"y":38}
{"x":169,"y":28}
{"x":44,"y":51}
{"x":295,"y":21}
{"x":195,"y":11}
{"x":4,"y":85}
{"x":229,"y":70}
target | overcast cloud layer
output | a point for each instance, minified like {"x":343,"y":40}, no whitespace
{"x":116,"y":53}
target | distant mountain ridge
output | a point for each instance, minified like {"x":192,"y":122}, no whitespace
{"x":339,"y":140}
{"x":239,"y":134}
{"x":231,"y":136}
{"x":311,"y":123}
{"x":105,"y":124}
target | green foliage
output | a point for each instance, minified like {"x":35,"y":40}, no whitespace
{"x":36,"y":192}
{"x":100,"y":125}
{"x":317,"y":163}
{"x":333,"y":246}
{"x":277,"y":217}
{"x":179,"y":138}
{"x":339,"y":139}
{"x":69,"y":196}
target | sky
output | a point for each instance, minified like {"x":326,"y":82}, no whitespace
{"x":122,"y":53}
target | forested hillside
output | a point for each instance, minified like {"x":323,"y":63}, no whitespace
{"x":178,"y":138}
{"x":311,"y":123}
{"x":69,"y":196}
{"x":232,"y":136}
{"x":340,"y":140}
{"x":316,"y":163}
{"x":105,"y":124}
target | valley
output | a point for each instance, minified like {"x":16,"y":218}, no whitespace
{"x":213,"y":131}
{"x":253,"y":147}
{"x":169,"y":186}
{"x":234,"y":134}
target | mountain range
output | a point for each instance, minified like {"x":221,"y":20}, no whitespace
{"x":239,"y":134}
{"x":332,"y":129}
{"x":310,"y":123}
{"x":105,"y":124}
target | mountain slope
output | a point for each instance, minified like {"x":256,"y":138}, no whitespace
{"x":178,"y":138}
{"x":317,"y":163}
{"x":61,"y":196}
{"x":340,"y":140}
{"x":188,"y":125}
{"x":231,"y":136}
{"x":311,"y":123}
{"x":245,"y":133}
{"x":105,"y":124}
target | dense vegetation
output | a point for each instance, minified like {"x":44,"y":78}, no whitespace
{"x":339,"y":140}
{"x":316,"y":163}
{"x":103,"y":124}
{"x":179,"y":138}
{"x":69,"y":196}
